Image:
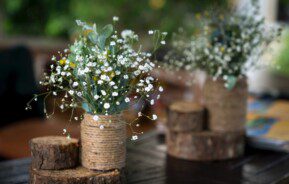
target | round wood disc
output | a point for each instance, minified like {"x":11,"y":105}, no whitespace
{"x":202,"y":146}
{"x":54,"y":152}
{"x":185,"y":116}
{"x":79,"y":175}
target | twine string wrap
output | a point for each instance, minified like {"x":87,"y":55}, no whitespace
{"x":103,"y":142}
{"x":227,"y":108}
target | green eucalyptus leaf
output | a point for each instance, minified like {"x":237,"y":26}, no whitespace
{"x":93,"y":37}
{"x":106,"y":31}
{"x":231,"y":82}
{"x":101,"y":42}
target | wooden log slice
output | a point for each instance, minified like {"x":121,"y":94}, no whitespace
{"x":226,"y":108}
{"x":54,"y":152}
{"x":79,"y":175}
{"x":205,"y":146}
{"x":185,"y":116}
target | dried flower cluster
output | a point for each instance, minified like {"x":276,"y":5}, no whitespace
{"x":103,"y":72}
{"x":228,"y":46}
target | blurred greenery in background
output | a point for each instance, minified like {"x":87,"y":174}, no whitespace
{"x":55,"y":18}
{"x":282,"y":59}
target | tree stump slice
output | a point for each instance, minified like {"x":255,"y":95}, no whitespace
{"x":226,"y":108}
{"x":185,"y":116}
{"x":79,"y":175}
{"x":54,"y":153}
{"x":205,"y":146}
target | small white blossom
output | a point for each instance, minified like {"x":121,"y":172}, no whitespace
{"x":127,"y":100}
{"x":75,"y":84}
{"x":96,"y":97}
{"x":95,"y":118}
{"x":134,"y":137}
{"x":103,"y":92}
{"x":106,"y":105}
{"x":115,"y":94}
{"x":71,"y":92}
{"x":115,"y":18}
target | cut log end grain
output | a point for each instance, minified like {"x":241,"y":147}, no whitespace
{"x":205,"y":146}
{"x":185,"y":116}
{"x":79,"y":175}
{"x":54,"y":153}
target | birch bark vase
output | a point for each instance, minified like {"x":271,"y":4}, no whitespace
{"x":227,"y":109}
{"x":103,"y":142}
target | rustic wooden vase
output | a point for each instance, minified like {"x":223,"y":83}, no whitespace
{"x":226,"y":108}
{"x":103,"y":142}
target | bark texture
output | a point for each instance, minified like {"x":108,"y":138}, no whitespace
{"x":79,"y":175}
{"x":205,"y":146}
{"x":185,"y":116}
{"x":54,"y":153}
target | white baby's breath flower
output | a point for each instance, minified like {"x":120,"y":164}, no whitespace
{"x":112,"y":43}
{"x":115,"y":18}
{"x":115,"y":94}
{"x":100,"y":82}
{"x":154,"y":117}
{"x":111,"y":83}
{"x":79,"y":94}
{"x":106,"y":105}
{"x":95,"y":118}
{"x":134,"y":137}
{"x":96,"y":97}
{"x":127,"y":100}
{"x":71,"y":92}
{"x":103,"y":92}
{"x":75,"y":84}
{"x":139,"y":114}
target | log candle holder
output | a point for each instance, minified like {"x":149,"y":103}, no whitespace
{"x":54,"y":152}
{"x":55,"y":161}
{"x":79,"y":175}
{"x":184,"y":119}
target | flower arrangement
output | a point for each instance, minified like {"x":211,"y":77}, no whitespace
{"x":228,"y":46}
{"x":103,"y":71}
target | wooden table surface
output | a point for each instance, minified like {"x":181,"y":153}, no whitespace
{"x":15,"y":137}
{"x":148,"y":163}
